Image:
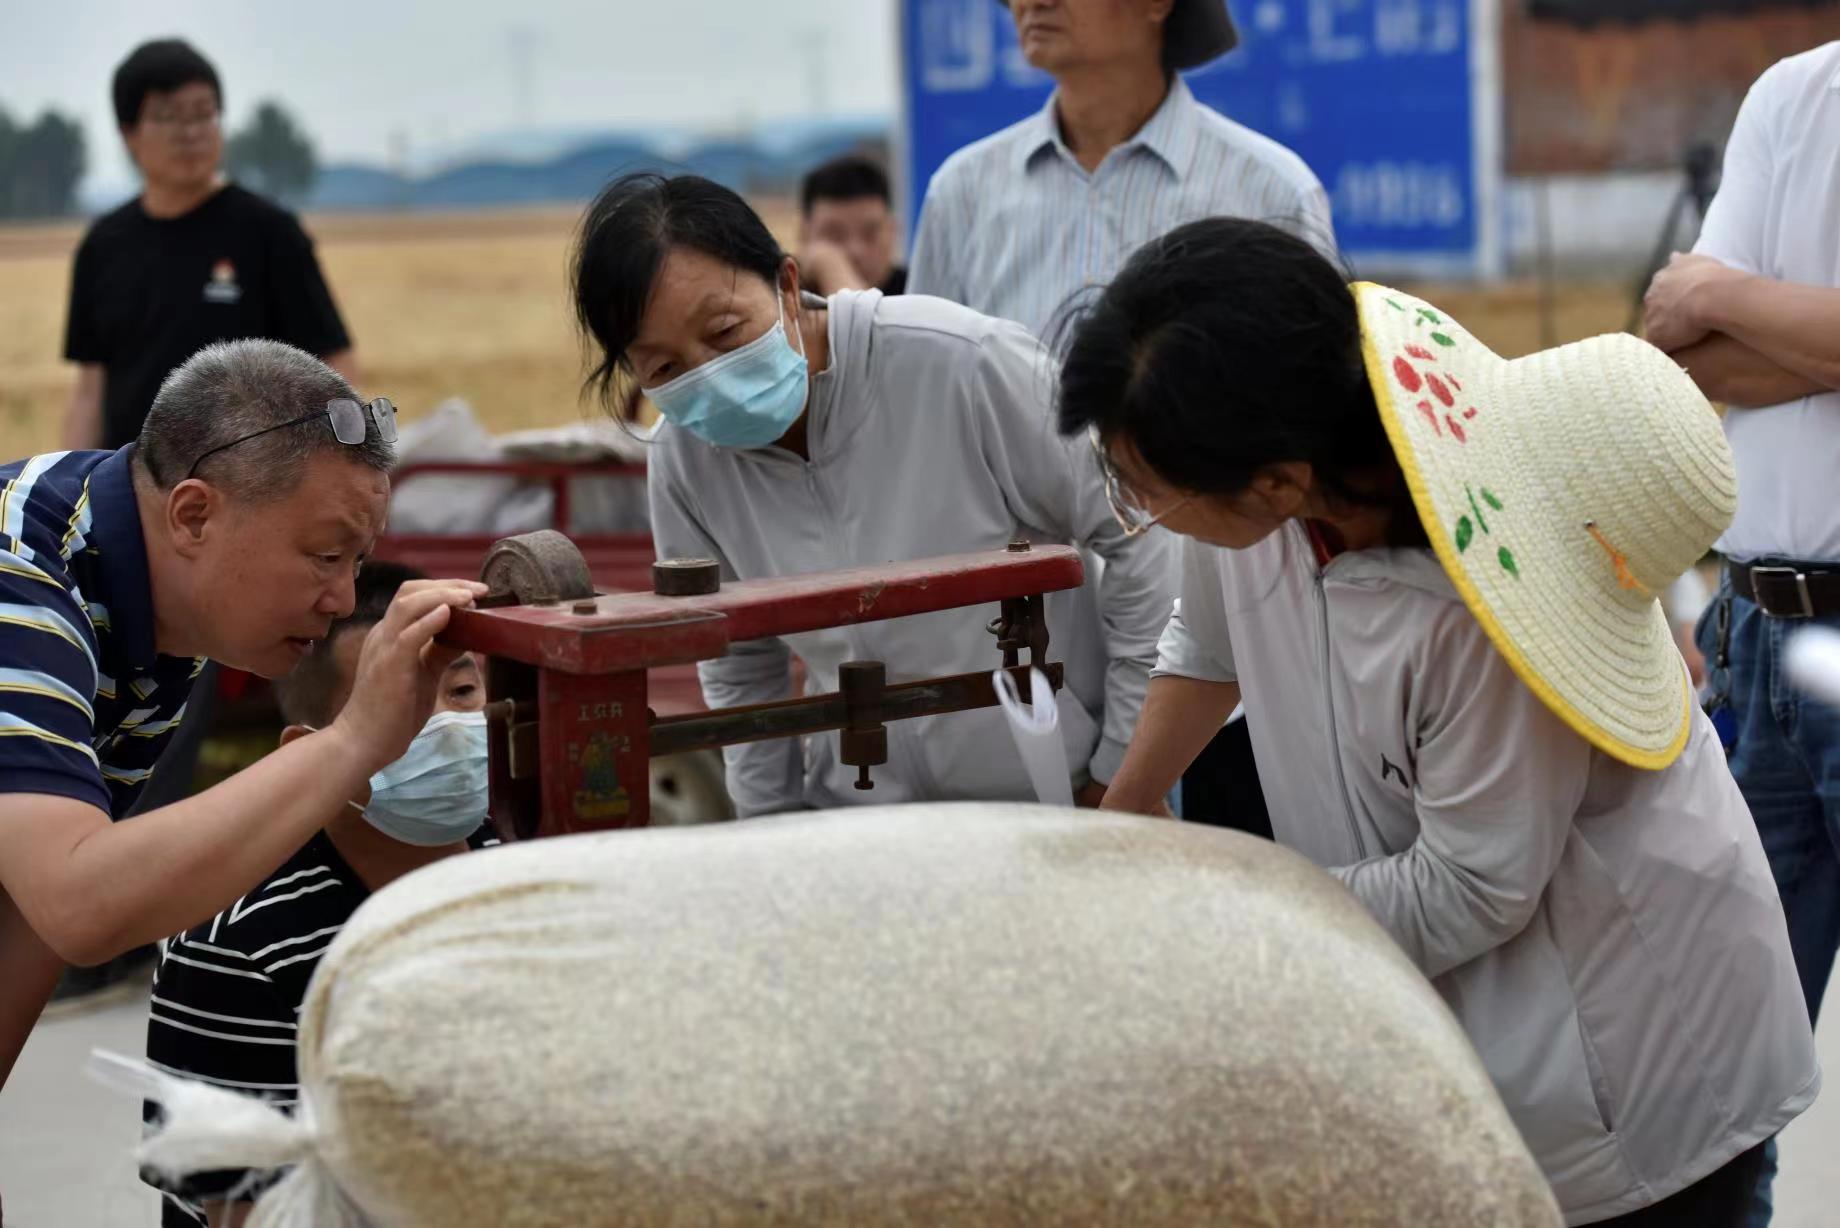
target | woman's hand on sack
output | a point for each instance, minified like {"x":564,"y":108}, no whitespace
{"x":1100,"y":797}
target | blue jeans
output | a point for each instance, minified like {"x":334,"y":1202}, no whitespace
{"x":1787,"y":764}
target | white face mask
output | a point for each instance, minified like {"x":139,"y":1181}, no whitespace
{"x":436,"y":793}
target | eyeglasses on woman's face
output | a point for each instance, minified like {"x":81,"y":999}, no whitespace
{"x":1130,"y":507}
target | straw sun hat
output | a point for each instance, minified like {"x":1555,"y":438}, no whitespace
{"x":1562,"y":492}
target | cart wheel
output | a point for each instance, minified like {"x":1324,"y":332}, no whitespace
{"x":689,"y":789}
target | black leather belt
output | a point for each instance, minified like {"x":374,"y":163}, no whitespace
{"x":1785,"y":589}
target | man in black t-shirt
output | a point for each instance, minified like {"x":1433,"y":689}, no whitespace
{"x":227,"y":994}
{"x":189,"y":261}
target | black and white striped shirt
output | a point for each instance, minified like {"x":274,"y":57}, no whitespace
{"x":227,"y":997}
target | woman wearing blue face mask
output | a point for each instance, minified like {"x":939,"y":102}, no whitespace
{"x":802,"y":434}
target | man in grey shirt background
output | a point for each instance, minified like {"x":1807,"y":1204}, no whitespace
{"x":1018,"y":224}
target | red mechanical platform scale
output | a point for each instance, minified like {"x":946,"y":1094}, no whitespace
{"x":569,"y":725}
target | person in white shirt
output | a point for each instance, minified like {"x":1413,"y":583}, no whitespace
{"x":1433,"y":573}
{"x":802,"y":434}
{"x":1754,"y":317}
{"x":1020,"y":224}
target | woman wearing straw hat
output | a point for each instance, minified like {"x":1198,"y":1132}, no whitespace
{"x":1433,"y":573}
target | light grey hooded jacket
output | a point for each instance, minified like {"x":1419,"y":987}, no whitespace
{"x":929,"y":433}
{"x":1610,"y":938}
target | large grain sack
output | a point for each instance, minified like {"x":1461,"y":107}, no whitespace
{"x":975,"y":1014}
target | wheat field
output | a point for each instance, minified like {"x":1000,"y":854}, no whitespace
{"x":475,"y":305}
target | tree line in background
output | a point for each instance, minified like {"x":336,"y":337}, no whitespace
{"x":40,"y":166}
{"x":271,"y":155}
{"x":42,"y":163}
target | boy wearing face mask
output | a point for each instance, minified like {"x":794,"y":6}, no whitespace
{"x":227,"y":994}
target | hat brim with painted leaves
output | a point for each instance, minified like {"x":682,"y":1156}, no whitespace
{"x":1562,"y":492}
{"x":1195,"y":32}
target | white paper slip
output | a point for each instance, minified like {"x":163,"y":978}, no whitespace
{"x":1813,"y":660}
{"x":1036,"y":729}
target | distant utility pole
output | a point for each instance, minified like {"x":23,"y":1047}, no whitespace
{"x":521,"y":47}
{"x":816,"y":45}
{"x":400,"y":164}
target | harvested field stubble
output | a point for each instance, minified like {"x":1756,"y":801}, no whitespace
{"x":475,"y":305}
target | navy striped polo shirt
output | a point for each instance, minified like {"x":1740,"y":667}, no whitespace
{"x":86,"y":700}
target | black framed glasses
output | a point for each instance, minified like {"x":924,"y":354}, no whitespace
{"x":347,"y":417}
{"x":175,"y":124}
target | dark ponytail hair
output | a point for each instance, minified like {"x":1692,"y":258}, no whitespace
{"x":622,"y":243}
{"x":1223,"y":347}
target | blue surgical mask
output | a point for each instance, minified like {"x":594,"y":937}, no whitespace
{"x":436,"y":793}
{"x":746,"y":398}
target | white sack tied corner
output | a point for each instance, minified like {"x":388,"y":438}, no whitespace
{"x":974,"y":1014}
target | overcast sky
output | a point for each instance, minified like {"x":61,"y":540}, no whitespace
{"x":379,"y":80}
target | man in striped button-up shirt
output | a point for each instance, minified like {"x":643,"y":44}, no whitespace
{"x":232,"y":531}
{"x":1018,"y":224}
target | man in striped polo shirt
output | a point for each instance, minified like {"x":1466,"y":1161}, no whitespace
{"x":1018,"y":224}
{"x":232,"y":531}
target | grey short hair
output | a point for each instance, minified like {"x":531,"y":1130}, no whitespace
{"x":232,"y":389}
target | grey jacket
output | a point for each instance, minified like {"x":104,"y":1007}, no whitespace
{"x":930,"y":433}
{"x":1610,"y":938}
